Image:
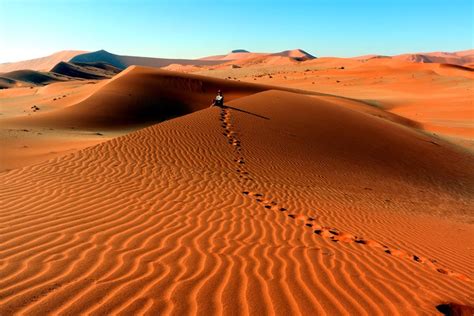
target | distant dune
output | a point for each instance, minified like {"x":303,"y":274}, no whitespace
{"x":241,"y":54}
{"x":6,"y":83}
{"x":242,"y":59}
{"x":63,"y":71}
{"x":97,"y":70}
{"x":41,"y":64}
{"x":234,"y":55}
{"x":34,"y":77}
{"x":123,"y":62}
{"x":456,"y":58}
{"x":297,"y":54}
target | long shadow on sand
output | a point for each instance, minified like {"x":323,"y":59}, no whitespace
{"x":247,"y":112}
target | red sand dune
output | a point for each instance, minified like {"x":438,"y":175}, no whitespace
{"x":140,"y":96}
{"x":254,"y":209}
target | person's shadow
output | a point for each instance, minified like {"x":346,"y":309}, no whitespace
{"x":247,"y":112}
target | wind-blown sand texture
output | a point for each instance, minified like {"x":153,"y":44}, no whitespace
{"x":252,"y":209}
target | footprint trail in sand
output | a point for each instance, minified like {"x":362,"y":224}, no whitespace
{"x":331,"y":233}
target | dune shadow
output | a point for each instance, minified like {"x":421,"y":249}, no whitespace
{"x":247,"y":112}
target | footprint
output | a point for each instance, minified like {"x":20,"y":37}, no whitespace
{"x":443,"y":271}
{"x":346,"y":237}
{"x":323,"y":232}
{"x":398,"y":253}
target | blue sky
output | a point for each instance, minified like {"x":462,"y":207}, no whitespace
{"x":191,"y":29}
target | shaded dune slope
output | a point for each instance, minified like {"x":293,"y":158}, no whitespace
{"x":6,"y":83}
{"x":63,"y":71}
{"x":157,"y":221}
{"x":96,"y":70}
{"x":35,"y":77}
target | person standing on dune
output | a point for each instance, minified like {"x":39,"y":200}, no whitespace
{"x":218,"y":100}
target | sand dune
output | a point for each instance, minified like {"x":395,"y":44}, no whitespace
{"x":246,"y":58}
{"x":63,"y":71}
{"x":140,"y":96}
{"x":456,"y":58}
{"x":297,"y":54}
{"x":6,"y":83}
{"x":47,"y":122}
{"x":253,"y":209}
{"x":40,"y":64}
{"x":437,"y":58}
{"x":42,"y":123}
{"x":234,"y":55}
{"x":86,"y":70}
{"x":123,"y":62}
{"x":34,"y":77}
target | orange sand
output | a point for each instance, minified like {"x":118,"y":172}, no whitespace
{"x":285,"y":202}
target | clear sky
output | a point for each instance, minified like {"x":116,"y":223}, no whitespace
{"x":190,"y":29}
